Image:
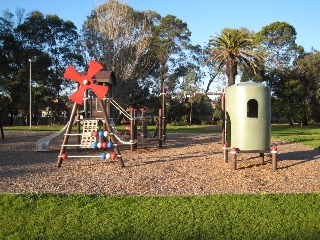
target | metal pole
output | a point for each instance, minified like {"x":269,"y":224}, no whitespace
{"x":30,"y":102}
{"x":163,"y":120}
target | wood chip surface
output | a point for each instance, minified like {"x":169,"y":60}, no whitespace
{"x":187,"y":164}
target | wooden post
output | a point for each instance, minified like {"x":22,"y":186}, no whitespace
{"x":234,"y":158}
{"x":225,"y":152}
{"x":78,"y":118}
{"x":144,"y":123}
{"x":160,"y":128}
{"x":85,"y":105}
{"x":223,"y":119}
{"x":78,"y":127}
{"x":262,"y":158}
{"x":274,"y":153}
{"x":68,"y":130}
{"x":132,"y":130}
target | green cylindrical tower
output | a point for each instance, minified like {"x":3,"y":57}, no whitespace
{"x":248,"y":110}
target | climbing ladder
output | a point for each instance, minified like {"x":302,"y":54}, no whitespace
{"x":86,"y":140}
{"x":88,"y":127}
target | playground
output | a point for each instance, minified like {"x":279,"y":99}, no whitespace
{"x":180,"y":164}
{"x":187,"y":164}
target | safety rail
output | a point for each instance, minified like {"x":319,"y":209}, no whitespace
{"x":118,"y":107}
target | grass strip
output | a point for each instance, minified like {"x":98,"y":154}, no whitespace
{"x":308,"y":135}
{"x":170,"y":129}
{"x":221,"y":216}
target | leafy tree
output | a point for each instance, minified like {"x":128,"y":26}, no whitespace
{"x":285,"y":72}
{"x":232,"y":48}
{"x":177,"y":63}
{"x":7,"y":46}
{"x":176,"y":109}
{"x":169,"y":40}
{"x":12,"y":90}
{"x":58,"y":39}
{"x":189,"y":84}
{"x":209,"y":68}
{"x":118,"y":37}
{"x":293,"y":95}
{"x":307,"y":67}
{"x":141,"y":47}
{"x":278,"y":39}
{"x":50,"y":43}
{"x":295,"y":100}
{"x":217,"y":114}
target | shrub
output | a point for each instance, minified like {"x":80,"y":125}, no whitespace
{"x":184,"y":120}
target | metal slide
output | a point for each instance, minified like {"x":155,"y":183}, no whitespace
{"x":43,"y":144}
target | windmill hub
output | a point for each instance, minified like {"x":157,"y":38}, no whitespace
{"x":86,"y":82}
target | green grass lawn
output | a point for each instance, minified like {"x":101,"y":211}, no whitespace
{"x":220,"y":216}
{"x":308,"y":135}
{"x":170,"y":129}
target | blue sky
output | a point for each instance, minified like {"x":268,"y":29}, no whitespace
{"x":204,"y":17}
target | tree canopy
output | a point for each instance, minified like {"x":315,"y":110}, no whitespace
{"x":279,"y":41}
{"x":146,"y":50}
{"x":232,"y":48}
{"x":137,"y":45}
{"x":48,"y":44}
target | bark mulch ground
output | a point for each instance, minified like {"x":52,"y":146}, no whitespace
{"x":187,"y":164}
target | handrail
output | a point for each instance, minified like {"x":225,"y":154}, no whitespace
{"x":121,"y":109}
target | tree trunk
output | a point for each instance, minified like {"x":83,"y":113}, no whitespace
{"x":190,"y":116}
{"x":291,"y":122}
{"x":1,"y":127}
{"x":304,"y":122}
{"x":231,"y":72}
{"x":231,"y":80}
{"x":210,"y":82}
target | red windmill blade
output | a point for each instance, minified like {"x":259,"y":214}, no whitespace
{"x":85,"y":81}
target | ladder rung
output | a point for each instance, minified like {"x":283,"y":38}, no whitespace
{"x":71,"y":145}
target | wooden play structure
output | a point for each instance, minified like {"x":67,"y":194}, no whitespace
{"x":246,"y":118}
{"x":90,"y":137}
{"x":98,"y":129}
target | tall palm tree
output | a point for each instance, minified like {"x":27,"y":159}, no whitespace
{"x":234,"y":47}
